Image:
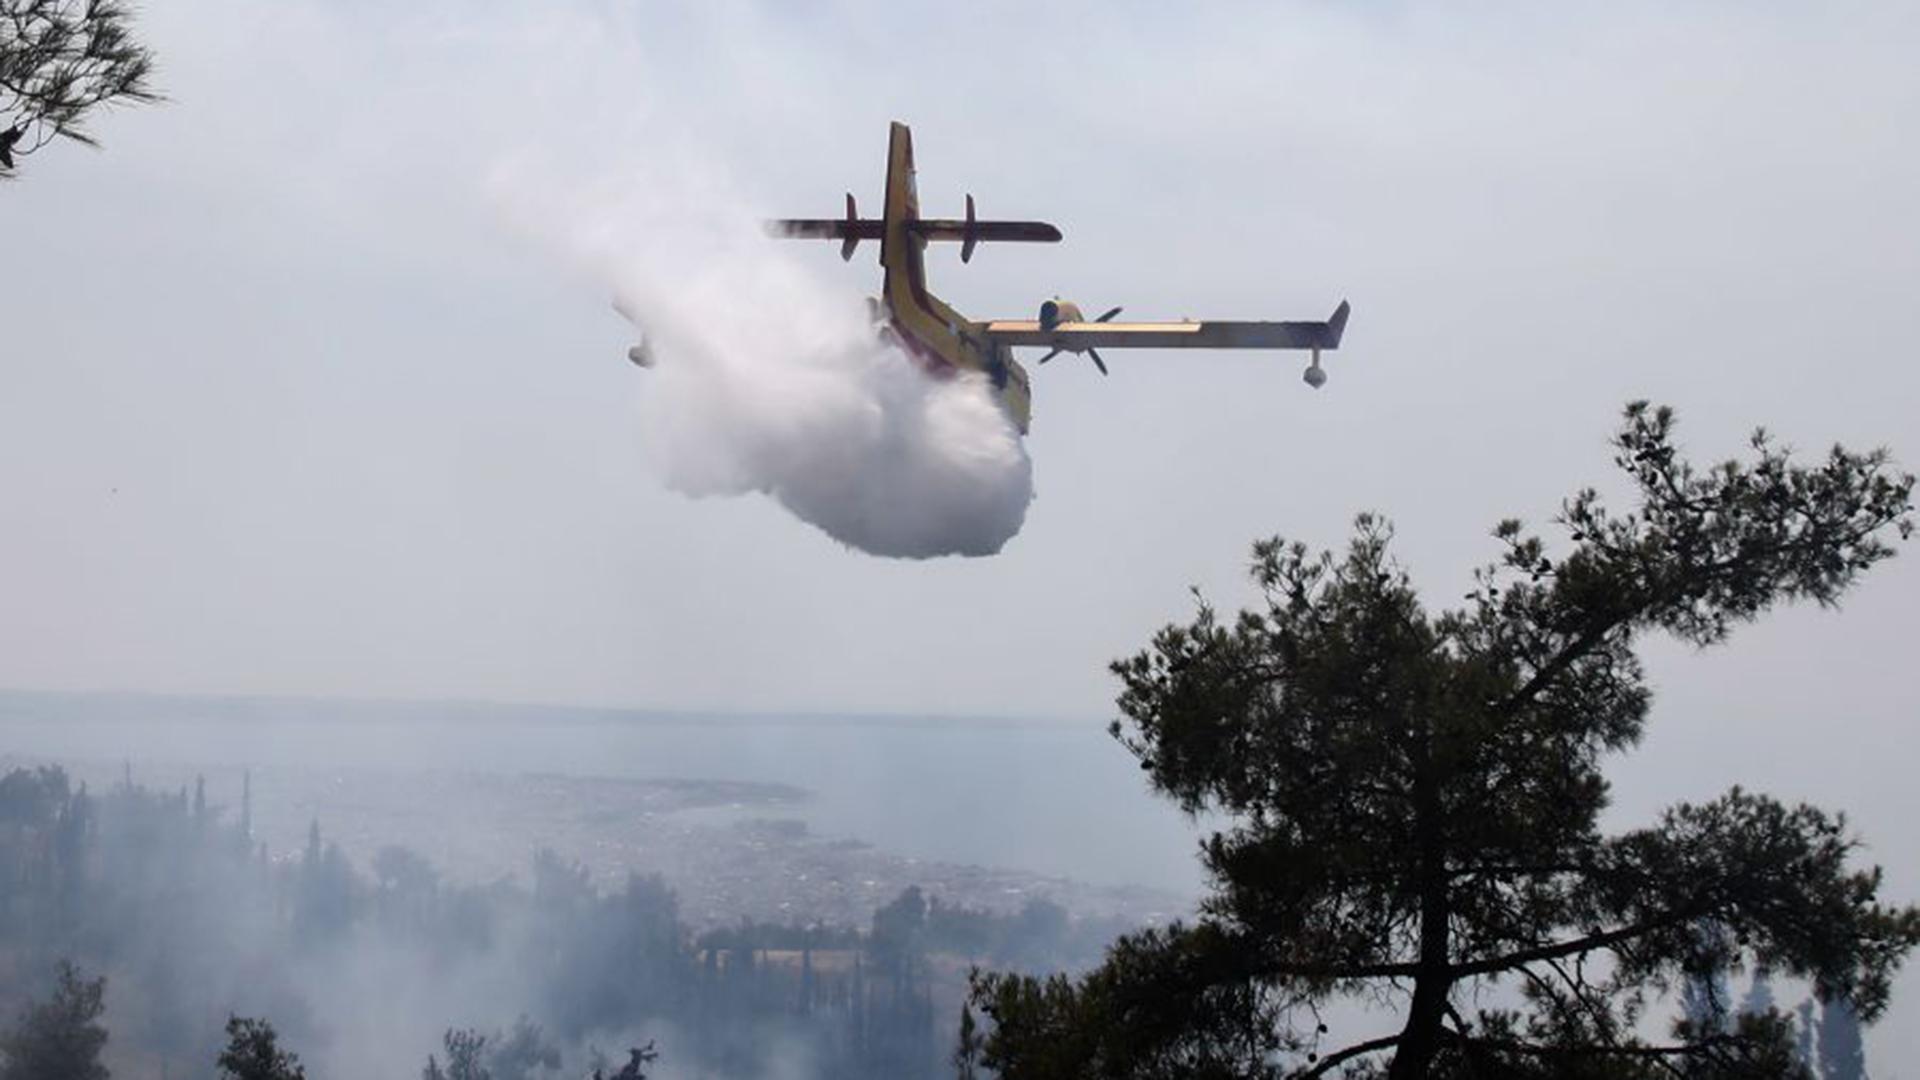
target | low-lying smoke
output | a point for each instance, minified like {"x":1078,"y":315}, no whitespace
{"x":769,"y":380}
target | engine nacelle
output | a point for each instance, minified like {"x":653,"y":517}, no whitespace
{"x":1057,"y":311}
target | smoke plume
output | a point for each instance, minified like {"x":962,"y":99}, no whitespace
{"x":768,"y":379}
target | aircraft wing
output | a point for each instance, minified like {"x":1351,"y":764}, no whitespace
{"x":1210,"y":334}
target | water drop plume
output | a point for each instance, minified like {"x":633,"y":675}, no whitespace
{"x":768,"y":378}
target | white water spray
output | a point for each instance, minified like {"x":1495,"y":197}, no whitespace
{"x":769,"y":380}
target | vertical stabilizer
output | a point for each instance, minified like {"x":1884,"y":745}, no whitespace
{"x":900,"y":248}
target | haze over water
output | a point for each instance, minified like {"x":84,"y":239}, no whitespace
{"x":1050,"y":797}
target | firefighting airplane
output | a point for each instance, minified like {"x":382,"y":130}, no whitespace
{"x":946,"y":343}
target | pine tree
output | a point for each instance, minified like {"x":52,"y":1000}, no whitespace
{"x":1413,"y":800}
{"x":60,"y":1038}
{"x":59,"y":61}
{"x":466,"y":1057}
{"x":1703,"y":1004}
{"x":1706,"y":1001}
{"x":253,"y":1053}
{"x":966,"y":1051}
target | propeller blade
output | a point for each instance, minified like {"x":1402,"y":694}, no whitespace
{"x":969,"y":237}
{"x":1050,"y":355}
{"x":1108,"y":315}
{"x":853,"y":239}
{"x":1094,"y":354}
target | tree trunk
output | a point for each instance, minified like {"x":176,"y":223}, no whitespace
{"x":1420,"y":1039}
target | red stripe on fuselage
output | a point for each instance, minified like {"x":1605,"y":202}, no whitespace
{"x":923,"y":353}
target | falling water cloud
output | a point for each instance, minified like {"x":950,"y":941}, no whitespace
{"x":766,"y":379}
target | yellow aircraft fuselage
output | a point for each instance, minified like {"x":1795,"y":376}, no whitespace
{"x":940,"y":339}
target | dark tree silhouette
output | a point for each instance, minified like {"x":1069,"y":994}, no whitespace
{"x":1706,"y":1001}
{"x":637,"y":1058}
{"x":184,"y":913}
{"x":1413,"y":803}
{"x":60,"y":1038}
{"x":967,"y":1047}
{"x":898,"y":930}
{"x":253,"y":1053}
{"x":466,"y":1057}
{"x":60,"y":60}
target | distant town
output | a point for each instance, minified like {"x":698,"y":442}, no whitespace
{"x":733,"y":851}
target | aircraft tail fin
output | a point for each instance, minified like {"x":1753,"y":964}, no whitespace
{"x":903,"y":208}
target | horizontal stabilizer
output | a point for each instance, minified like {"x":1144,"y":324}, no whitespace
{"x":853,"y":228}
{"x":1035,"y":232}
{"x":828,"y":228}
{"x":930,"y":229}
{"x":849,"y":230}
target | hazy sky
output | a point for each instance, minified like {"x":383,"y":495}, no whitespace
{"x":294,"y":405}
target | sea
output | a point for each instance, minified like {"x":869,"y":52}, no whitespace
{"x":1047,"y":796}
